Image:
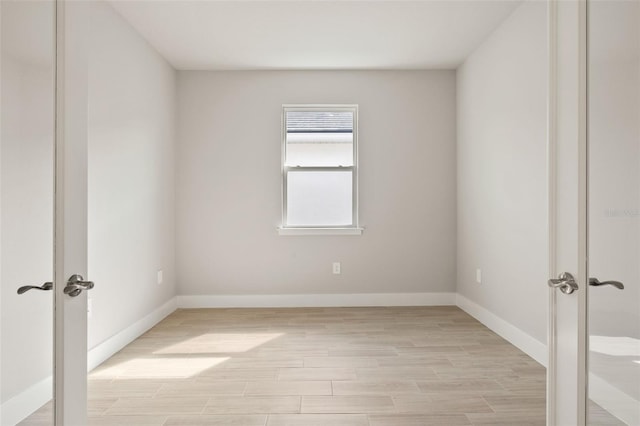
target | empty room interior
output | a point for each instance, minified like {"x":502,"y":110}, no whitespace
{"x":300,"y":213}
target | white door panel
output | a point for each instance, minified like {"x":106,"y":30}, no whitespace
{"x":567,"y":148}
{"x":27,"y":122}
{"x":71,"y":213}
{"x":43,"y":220}
{"x":614,"y":206}
{"x":595,"y":142}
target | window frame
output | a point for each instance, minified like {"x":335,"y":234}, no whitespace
{"x":354,"y":228}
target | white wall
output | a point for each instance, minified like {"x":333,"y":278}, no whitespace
{"x":132,"y":97}
{"x":228,"y":185}
{"x":501,"y":154}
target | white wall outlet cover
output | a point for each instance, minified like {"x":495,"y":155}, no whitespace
{"x":479,"y":276}
{"x":336,"y":267}
{"x":160,"y":276}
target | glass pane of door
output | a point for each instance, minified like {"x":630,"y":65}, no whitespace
{"x":614,"y":212}
{"x":26,"y":215}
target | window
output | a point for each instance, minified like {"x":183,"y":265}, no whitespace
{"x":319,"y":169}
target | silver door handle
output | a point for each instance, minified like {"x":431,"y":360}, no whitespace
{"x":565,"y":282}
{"x":596,"y":283}
{"x":45,"y":286}
{"x":76,"y":284}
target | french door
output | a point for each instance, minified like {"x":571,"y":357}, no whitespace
{"x":594,"y":151}
{"x":44,"y":212}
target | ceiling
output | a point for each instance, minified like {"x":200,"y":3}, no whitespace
{"x":314,"y":34}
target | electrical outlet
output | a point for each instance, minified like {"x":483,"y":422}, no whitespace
{"x":336,"y":268}
{"x":160,"y":276}
{"x":479,"y":276}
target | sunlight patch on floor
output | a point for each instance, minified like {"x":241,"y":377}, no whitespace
{"x":220,"y":343}
{"x":159,"y":368}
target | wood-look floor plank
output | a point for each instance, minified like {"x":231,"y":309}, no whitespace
{"x":388,"y":387}
{"x":507,"y":419}
{"x":338,"y":361}
{"x":142,"y":420}
{"x":352,"y":404}
{"x":238,"y":374}
{"x":123,"y":388}
{"x":216,"y":420}
{"x":318,"y":420}
{"x":184,"y":388}
{"x":459,"y":386}
{"x":253,"y":405}
{"x":517,"y":403}
{"x":157,"y":406}
{"x":396,"y":373}
{"x":309,"y":374}
{"x":288,"y":388}
{"x":428,"y":404}
{"x":419,"y":420}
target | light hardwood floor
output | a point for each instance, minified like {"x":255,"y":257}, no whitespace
{"x":318,"y":366}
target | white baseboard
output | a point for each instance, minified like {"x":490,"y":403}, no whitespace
{"x":520,"y":339}
{"x":105,"y":350}
{"x":612,"y":399}
{"x":22,"y":405}
{"x":317,"y":300}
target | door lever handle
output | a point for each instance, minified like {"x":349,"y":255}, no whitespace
{"x":45,"y":286}
{"x":565,"y":282}
{"x":76,"y":284}
{"x":597,"y":283}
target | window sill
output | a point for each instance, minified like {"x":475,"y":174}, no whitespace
{"x":319,"y":231}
